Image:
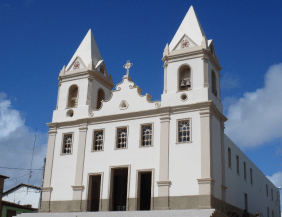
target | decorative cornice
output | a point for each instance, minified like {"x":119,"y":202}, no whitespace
{"x":196,"y":52}
{"x":162,"y":112}
{"x":164,"y":183}
{"x":89,"y":74}
{"x":52,"y":128}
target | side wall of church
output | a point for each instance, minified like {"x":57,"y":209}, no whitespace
{"x":238,"y":186}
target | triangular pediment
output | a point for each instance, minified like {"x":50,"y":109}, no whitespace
{"x":190,"y":27}
{"x":87,"y":51}
{"x":184,"y":42}
{"x":76,"y":64}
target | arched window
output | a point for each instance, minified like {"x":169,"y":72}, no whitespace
{"x":100,"y":97}
{"x":214,"y":91}
{"x":184,"y":78}
{"x":73,"y":96}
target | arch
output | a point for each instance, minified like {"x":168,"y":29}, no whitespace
{"x":184,"y":78}
{"x":73,"y":96}
{"x":214,"y":89}
{"x":100,"y":97}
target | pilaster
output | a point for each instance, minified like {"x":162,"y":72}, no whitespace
{"x":47,"y":189}
{"x":164,"y":183}
{"x":206,"y":181}
{"x":78,"y":187}
{"x":165,"y":77}
{"x":206,"y":71}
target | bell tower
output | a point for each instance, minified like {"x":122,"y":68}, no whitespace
{"x":83,"y":84}
{"x":191,"y":66}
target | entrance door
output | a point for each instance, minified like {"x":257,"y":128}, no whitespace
{"x":144,"y":189}
{"x":94,"y":192}
{"x":119,"y":189}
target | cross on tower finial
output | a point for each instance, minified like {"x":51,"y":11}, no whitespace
{"x":127,"y":66}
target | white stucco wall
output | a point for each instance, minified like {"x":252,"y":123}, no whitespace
{"x":237,"y":185}
{"x":24,"y":196}
{"x":185,"y":158}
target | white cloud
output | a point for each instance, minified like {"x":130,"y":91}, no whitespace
{"x":10,"y":119}
{"x":229,"y":81}
{"x":256,"y":118}
{"x":16,"y":145}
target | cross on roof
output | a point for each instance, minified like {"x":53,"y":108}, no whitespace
{"x":127,"y":66}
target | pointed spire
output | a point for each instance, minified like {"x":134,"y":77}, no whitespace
{"x":189,"y":26}
{"x":62,"y":72}
{"x":166,"y":51}
{"x":88,"y":51}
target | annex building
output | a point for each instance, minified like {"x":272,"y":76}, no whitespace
{"x":113,"y":149}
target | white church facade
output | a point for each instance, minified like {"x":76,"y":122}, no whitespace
{"x":112,"y":150}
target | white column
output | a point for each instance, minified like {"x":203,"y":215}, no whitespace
{"x":206,"y":181}
{"x":78,"y":187}
{"x":164,"y":183}
{"x":47,"y":189}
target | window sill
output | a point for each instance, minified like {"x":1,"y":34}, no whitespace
{"x":121,"y":148}
{"x":97,"y":150}
{"x":182,"y":90}
{"x":179,"y":143}
{"x":148,"y":146}
{"x":63,"y":154}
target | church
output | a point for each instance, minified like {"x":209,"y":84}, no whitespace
{"x":111,"y":148}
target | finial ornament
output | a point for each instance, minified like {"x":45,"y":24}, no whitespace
{"x":127,"y":66}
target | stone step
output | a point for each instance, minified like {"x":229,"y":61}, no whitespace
{"x":153,"y":213}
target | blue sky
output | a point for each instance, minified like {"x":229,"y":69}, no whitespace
{"x":39,"y":37}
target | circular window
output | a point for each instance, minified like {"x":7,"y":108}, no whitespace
{"x":183,"y":97}
{"x":70,"y":113}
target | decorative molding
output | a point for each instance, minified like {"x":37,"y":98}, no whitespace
{"x":206,"y":181}
{"x":47,"y":189}
{"x":161,"y":112}
{"x":164,"y":183}
{"x":77,"y":187}
{"x":158,"y":105}
{"x":123,"y":105}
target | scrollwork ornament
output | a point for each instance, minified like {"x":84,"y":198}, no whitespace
{"x":158,"y":104}
{"x":91,"y":114}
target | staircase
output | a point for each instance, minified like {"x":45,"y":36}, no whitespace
{"x":153,"y":213}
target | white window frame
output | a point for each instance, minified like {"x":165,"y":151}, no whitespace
{"x":141,"y":136}
{"x":177,"y":130}
{"x":63,"y":140}
{"x":116,"y":139}
{"x":93,"y":138}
